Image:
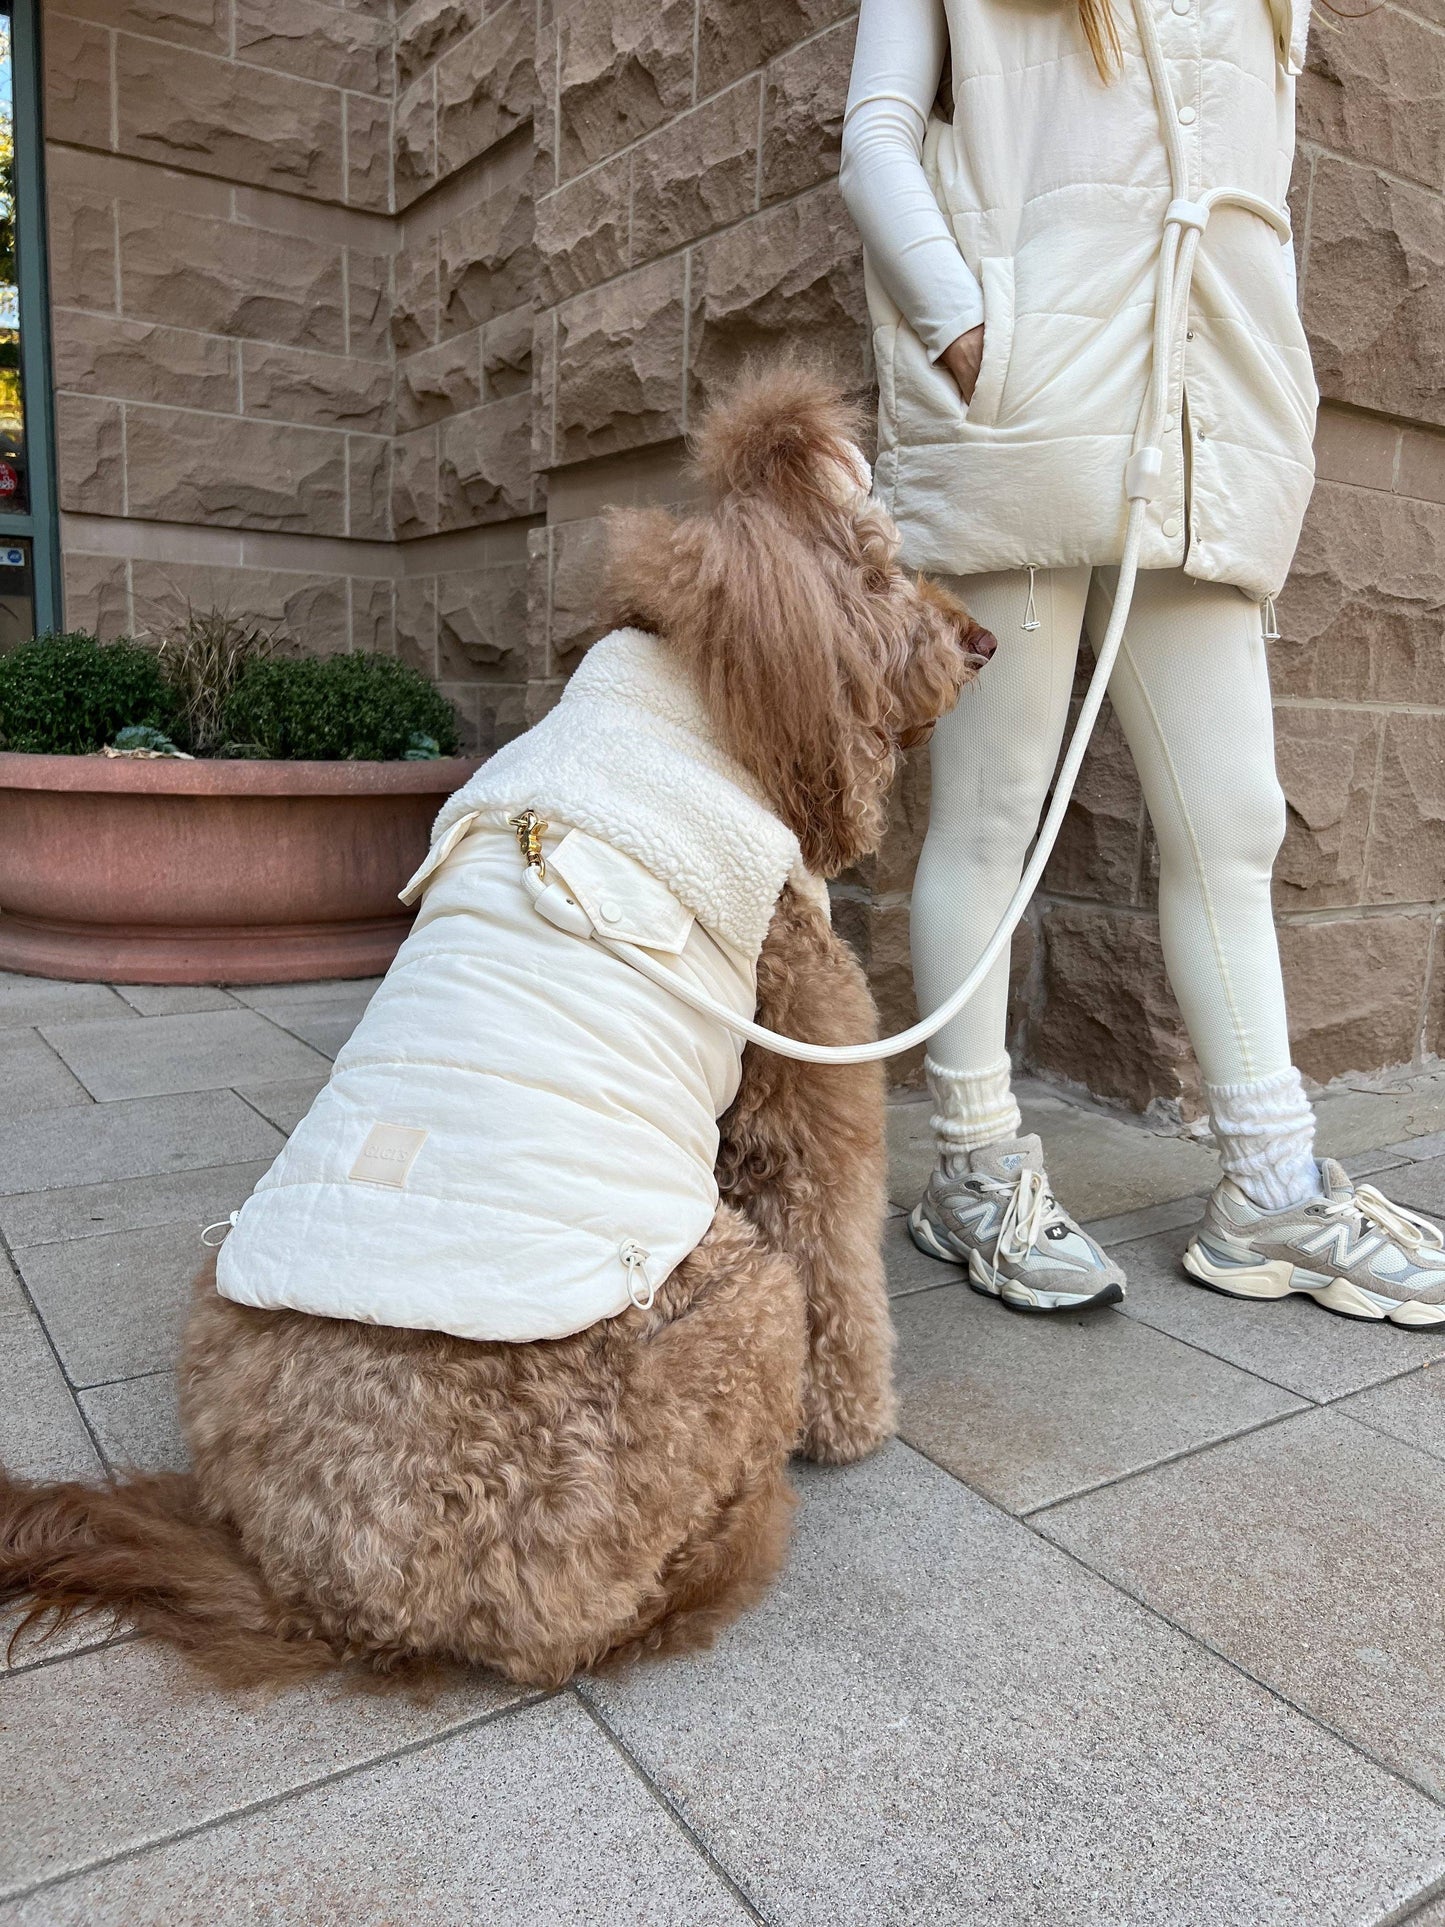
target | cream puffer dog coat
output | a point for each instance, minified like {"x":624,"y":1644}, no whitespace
{"x":519,"y":1137}
{"x":1055,"y":187}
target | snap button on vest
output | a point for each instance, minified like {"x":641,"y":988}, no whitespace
{"x":1187,"y":116}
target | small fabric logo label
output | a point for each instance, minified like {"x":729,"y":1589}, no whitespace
{"x":387,"y":1155}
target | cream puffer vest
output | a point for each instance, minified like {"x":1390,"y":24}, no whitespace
{"x":1055,"y":186}
{"x":519,"y":1137}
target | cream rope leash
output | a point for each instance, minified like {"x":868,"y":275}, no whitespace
{"x":1184,"y":224}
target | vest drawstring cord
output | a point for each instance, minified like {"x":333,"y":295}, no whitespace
{"x":1031,"y":614}
{"x":1269,"y":623}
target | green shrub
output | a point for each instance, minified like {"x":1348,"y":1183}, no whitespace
{"x":67,"y":695}
{"x":358,"y":708}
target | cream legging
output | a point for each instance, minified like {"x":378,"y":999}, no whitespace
{"x":1191,"y":690}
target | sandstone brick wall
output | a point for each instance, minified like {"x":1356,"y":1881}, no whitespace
{"x":362,"y":319}
{"x":221,"y":242}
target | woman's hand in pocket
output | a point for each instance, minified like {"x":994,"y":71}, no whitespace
{"x":962,"y":359}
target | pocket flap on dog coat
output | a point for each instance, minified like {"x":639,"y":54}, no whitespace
{"x":624,"y":900}
{"x":436,"y":856}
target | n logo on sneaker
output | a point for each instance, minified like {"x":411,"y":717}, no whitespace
{"x":981,"y":1218}
{"x":1335,"y":1240}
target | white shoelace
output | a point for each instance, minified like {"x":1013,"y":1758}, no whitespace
{"x":1030,"y":1210}
{"x":1367,"y":1205}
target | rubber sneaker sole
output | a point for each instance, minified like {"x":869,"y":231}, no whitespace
{"x":1278,"y":1278}
{"x":991,"y":1283}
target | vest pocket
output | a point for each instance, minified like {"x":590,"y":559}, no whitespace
{"x":996,"y":273}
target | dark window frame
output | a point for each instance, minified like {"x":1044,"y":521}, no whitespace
{"x":40,"y":525}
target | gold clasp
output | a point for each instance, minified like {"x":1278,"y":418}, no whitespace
{"x":530,"y":830}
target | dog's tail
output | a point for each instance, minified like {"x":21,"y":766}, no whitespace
{"x":142,"y":1551}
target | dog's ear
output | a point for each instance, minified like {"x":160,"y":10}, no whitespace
{"x":639,"y":569}
{"x":785,"y":434}
{"x":787,"y":608}
{"x":777,"y":637}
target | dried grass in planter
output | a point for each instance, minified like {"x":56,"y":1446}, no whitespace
{"x":202,"y":661}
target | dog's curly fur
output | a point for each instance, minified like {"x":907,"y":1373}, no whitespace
{"x":394,"y":1496}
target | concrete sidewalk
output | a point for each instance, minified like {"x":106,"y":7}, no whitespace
{"x":1139,"y":1620}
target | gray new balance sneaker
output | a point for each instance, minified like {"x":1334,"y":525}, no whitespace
{"x":1351,"y":1250}
{"x":993,"y":1211}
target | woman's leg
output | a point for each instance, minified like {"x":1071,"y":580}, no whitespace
{"x":988,"y":1205}
{"x":993,"y":759}
{"x":1191,"y":691}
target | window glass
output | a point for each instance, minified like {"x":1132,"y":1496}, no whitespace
{"x":17,"y":591}
{"x":17,"y":576}
{"x":14,"y":476}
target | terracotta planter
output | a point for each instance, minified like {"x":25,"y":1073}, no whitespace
{"x":169,"y":872}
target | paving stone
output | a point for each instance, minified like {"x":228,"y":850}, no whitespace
{"x":121,"y":1747}
{"x":42,"y":1435}
{"x":323,"y":1014}
{"x":330,"y":990}
{"x":1420,"y":1149}
{"x":1182,"y":1214}
{"x":32,"y":1077}
{"x":200,"y":1052}
{"x":910,"y":1269}
{"x":1369,"y":1164}
{"x":1411,"y":1407}
{"x":325,"y":1027}
{"x":1421,"y":1186}
{"x":401,"y":1841}
{"x":114,"y":1305}
{"x":1097,"y":1164}
{"x":1432,"y":1914}
{"x":138,"y":1423}
{"x":1310,"y":1554}
{"x":1293,"y":1341}
{"x":41,"y":1000}
{"x":144,"y":1138}
{"x":883,"y":1742}
{"x":1027,"y":1409}
{"x":1353,"y":1121}
{"x":80,"y":1635}
{"x":88,"y":1210}
{"x":285,"y":1104}
{"x":173,"y":1000}
{"x":1177,"y":1214}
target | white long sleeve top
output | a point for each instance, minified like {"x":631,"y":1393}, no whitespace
{"x":1038,"y":206}
{"x":897,"y":65}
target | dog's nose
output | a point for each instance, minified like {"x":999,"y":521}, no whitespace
{"x":982,"y":643}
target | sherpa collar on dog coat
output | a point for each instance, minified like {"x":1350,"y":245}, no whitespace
{"x":519,"y":1138}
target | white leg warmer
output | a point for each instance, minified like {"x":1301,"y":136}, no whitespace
{"x":972,"y":1108}
{"x":1266,"y":1132}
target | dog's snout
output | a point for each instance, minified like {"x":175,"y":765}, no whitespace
{"x":982,"y":644}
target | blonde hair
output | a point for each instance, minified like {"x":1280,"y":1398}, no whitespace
{"x":1101,"y":30}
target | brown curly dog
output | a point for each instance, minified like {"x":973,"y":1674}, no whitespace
{"x":392,"y":1495}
